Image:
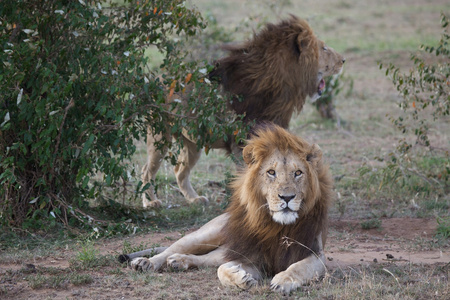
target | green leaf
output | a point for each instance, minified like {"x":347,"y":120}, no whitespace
{"x":87,"y":145}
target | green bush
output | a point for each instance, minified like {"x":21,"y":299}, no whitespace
{"x":426,"y":86}
{"x":425,"y":91}
{"x":76,"y":92}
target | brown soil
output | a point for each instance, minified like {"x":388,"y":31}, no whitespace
{"x":396,"y":241}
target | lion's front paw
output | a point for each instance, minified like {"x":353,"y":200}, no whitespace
{"x":141,"y":264}
{"x":284,"y":283}
{"x":179,"y":261}
{"x":235,"y":275}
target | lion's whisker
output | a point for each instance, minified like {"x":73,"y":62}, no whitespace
{"x":264,"y":205}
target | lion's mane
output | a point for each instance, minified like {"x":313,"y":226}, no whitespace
{"x":273,"y":73}
{"x":251,"y":235}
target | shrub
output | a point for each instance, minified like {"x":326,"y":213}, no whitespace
{"x":76,"y":92}
{"x":425,"y":92}
{"x":426,"y":86}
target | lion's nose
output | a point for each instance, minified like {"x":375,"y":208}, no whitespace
{"x":343,"y":60}
{"x":286,"y":198}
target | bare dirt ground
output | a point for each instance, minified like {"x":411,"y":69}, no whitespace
{"x":392,"y":243}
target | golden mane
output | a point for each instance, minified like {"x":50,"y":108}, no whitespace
{"x":273,"y":73}
{"x":251,"y":233}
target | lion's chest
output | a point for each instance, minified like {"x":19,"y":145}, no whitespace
{"x":279,"y":253}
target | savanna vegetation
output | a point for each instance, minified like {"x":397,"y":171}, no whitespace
{"x":81,"y":80}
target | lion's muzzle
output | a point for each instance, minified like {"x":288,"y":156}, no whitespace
{"x":287,"y":209}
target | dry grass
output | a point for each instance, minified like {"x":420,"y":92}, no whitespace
{"x":365,"y":32}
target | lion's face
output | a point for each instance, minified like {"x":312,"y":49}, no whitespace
{"x":330,"y":63}
{"x":283,"y":185}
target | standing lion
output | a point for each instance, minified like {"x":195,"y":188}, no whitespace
{"x":271,"y":74}
{"x":275,"y":226}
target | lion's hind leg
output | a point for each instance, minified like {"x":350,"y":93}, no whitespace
{"x":187,"y":159}
{"x":235,"y":274}
{"x":207,"y":239}
{"x":154,"y":158}
{"x":179,"y":261}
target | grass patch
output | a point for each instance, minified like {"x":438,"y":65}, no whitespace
{"x":443,"y":229}
{"x":421,"y":183}
{"x":371,"y":224}
{"x":100,"y":261}
{"x":88,"y":254}
{"x":438,"y":204}
{"x":61,"y":281}
{"x":17,"y":246}
{"x":88,"y":257}
{"x":379,"y":282}
{"x":81,"y":279}
{"x":36,"y":281}
{"x":146,"y":278}
{"x":184,"y":213}
{"x":45,"y":277}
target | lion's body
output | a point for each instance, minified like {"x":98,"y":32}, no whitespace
{"x":276,"y":223}
{"x":271,"y":74}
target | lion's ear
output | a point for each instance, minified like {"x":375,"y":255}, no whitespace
{"x":247,"y":154}
{"x":314,"y":157}
{"x":304,"y":42}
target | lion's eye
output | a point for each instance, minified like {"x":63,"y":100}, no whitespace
{"x":271,"y":172}
{"x":298,"y":173}
{"x":325,"y":48}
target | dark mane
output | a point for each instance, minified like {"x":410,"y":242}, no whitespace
{"x":273,"y":73}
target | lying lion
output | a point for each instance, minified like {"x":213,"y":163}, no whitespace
{"x":275,"y":226}
{"x":273,"y":73}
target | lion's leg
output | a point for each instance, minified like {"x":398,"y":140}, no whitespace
{"x":236,"y":274}
{"x":186,"y":161}
{"x":206,"y":239}
{"x":154,"y":159}
{"x":187,"y":261}
{"x":301,"y":272}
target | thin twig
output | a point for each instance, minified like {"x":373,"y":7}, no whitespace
{"x":429,"y":180}
{"x":58,"y":138}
